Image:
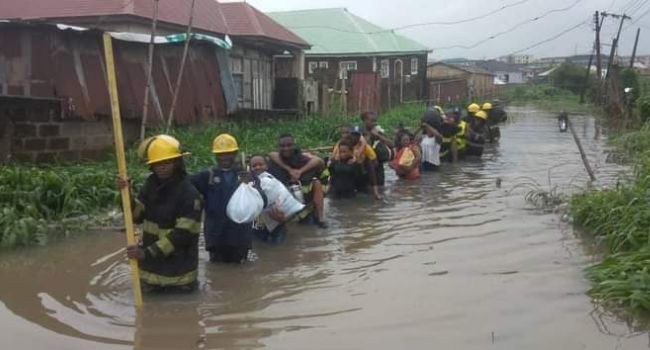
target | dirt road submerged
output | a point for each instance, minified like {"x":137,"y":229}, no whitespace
{"x":451,"y":262}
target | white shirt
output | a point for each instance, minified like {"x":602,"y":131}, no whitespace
{"x":430,"y":150}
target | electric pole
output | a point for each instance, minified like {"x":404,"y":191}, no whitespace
{"x":599,"y":65}
{"x":636,"y":42}
{"x":623,"y":17}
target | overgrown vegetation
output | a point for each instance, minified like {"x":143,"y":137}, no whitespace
{"x":37,"y":201}
{"x":570,"y":77}
{"x":618,"y":219}
{"x":546,"y":96}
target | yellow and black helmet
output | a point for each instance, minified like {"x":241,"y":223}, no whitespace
{"x":159,"y":148}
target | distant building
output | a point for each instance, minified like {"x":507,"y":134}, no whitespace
{"x":516,"y":59}
{"x":450,"y":83}
{"x":580,"y":60}
{"x":505,"y":72}
{"x":379,"y":67}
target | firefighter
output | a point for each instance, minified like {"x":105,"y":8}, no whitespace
{"x":169,"y":209}
{"x":225,"y":240}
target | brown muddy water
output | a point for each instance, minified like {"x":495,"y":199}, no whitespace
{"x":451,"y":262}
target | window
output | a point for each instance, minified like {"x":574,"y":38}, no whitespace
{"x":313,"y":66}
{"x":346,"y":66}
{"x":385,"y":69}
{"x":236,"y":65}
{"x":414,"y":66}
{"x":323,"y":65}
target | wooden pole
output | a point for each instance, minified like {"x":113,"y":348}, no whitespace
{"x":611,"y":58}
{"x":599,"y":65}
{"x":586,"y":83}
{"x":121,"y":163}
{"x":636,"y":43}
{"x":145,"y":106}
{"x":585,"y":161}
{"x":179,"y":78}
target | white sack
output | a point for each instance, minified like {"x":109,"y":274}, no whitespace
{"x":245,"y":205}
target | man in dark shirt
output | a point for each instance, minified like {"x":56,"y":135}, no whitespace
{"x":292,"y":166}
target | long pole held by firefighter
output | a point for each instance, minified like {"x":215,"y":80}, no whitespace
{"x":121,"y":162}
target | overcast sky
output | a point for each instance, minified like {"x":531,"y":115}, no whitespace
{"x":396,"y":13}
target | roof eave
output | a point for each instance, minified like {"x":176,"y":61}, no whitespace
{"x":366,"y":54}
{"x":91,"y":22}
{"x":272,"y":40}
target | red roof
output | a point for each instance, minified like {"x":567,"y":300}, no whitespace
{"x":245,"y":20}
{"x":207,"y":13}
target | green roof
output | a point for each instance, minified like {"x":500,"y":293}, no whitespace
{"x":338,"y":32}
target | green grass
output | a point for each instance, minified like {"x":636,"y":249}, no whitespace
{"x":547,"y":97}
{"x":619,"y":221}
{"x":38,"y":201}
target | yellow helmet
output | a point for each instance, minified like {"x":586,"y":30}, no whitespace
{"x":487,"y":106}
{"x":473,"y":108}
{"x":158,"y":148}
{"x":224,"y":143}
{"x":481,"y":115}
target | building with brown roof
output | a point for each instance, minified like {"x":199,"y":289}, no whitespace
{"x":53,"y":93}
{"x":257,"y":39}
{"x":449,"y":83}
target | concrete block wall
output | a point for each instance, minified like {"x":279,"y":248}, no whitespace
{"x":34,"y":131}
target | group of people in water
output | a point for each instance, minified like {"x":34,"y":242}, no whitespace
{"x":173,"y":207}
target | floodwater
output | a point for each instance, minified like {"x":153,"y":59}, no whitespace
{"x":450,"y":262}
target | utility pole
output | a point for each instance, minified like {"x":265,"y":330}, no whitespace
{"x":179,"y":78}
{"x":623,"y":17}
{"x":636,"y":42}
{"x":145,"y":105}
{"x":599,"y":66}
{"x":611,"y":57}
{"x":586,"y":83}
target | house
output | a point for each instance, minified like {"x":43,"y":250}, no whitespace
{"x":506,"y":72}
{"x":257,"y":38}
{"x":378,"y":68}
{"x":516,"y":59}
{"x":450,"y":83}
{"x":53,"y":92}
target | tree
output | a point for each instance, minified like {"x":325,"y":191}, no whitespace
{"x":569,"y":77}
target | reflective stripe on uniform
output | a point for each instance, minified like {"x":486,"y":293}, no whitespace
{"x":165,"y":246}
{"x":188,"y":224}
{"x":460,"y":136}
{"x":160,"y":280}
{"x":152,"y":228}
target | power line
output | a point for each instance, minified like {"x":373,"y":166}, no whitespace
{"x":637,"y":18}
{"x":466,"y":20}
{"x":550,"y":39}
{"x":636,"y":8}
{"x":628,"y":5}
{"x":511,"y":29}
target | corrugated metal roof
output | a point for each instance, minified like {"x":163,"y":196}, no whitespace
{"x":338,"y":32}
{"x":463,"y":67}
{"x":48,"y":54}
{"x":245,"y":20}
{"x":207,"y":13}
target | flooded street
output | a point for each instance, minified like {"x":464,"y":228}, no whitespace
{"x":448,"y":262}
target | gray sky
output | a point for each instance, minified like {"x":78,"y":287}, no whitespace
{"x":395,"y":13}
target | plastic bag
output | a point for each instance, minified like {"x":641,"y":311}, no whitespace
{"x":278,"y":195}
{"x":245,"y":205}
